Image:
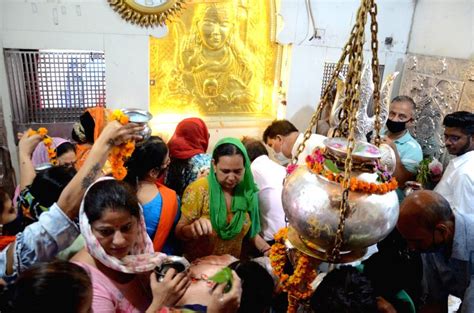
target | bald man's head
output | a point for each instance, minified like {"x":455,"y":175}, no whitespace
{"x":425,"y":216}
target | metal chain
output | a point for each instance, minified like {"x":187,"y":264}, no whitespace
{"x":350,"y":107}
{"x":354,"y":50}
{"x":324,"y":99}
{"x":375,"y":70}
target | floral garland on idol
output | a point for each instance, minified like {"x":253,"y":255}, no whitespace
{"x":120,"y":153}
{"x":297,"y":285}
{"x":48,"y":143}
{"x":319,"y":164}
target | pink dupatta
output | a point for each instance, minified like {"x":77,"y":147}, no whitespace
{"x":142,"y":257}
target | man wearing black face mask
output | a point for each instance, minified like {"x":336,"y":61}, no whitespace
{"x":407,"y":150}
{"x":457,"y":183}
{"x":444,"y":237}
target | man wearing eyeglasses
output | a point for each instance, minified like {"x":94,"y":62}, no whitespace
{"x":457,"y":182}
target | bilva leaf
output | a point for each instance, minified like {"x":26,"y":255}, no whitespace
{"x":223,"y":276}
{"x":331,"y":166}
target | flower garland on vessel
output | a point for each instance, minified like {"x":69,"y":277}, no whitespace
{"x":120,"y":153}
{"x":48,"y":143}
{"x":319,"y":164}
{"x":297,"y":285}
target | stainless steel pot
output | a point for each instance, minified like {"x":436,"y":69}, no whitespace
{"x":140,"y":117}
{"x":311,"y":203}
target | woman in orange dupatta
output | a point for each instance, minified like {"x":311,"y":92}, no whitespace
{"x":146,"y":166}
{"x":87,"y":130}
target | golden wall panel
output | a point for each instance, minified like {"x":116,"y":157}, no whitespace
{"x":217,"y":60}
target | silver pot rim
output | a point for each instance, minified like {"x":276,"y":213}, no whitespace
{"x":138,"y":111}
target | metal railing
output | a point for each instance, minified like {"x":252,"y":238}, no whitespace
{"x":51,"y":86}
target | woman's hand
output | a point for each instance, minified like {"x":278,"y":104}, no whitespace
{"x":27,"y":144}
{"x":200,"y":227}
{"x":115,"y":133}
{"x":226,"y":302}
{"x":168,"y":291}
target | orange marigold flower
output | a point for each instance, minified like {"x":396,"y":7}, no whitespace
{"x":123,"y":119}
{"x":373,"y":188}
{"x":42,"y":131}
{"x":298,"y":285}
{"x":115,"y":150}
{"x":115,"y":116}
{"x":119,"y":173}
{"x":330,"y":176}
{"x":317,"y":167}
{"x":47,"y":141}
{"x":31,"y":132}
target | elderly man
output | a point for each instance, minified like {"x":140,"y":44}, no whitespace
{"x":457,"y":183}
{"x":444,"y":237}
{"x":284,"y":138}
{"x":407,"y":150}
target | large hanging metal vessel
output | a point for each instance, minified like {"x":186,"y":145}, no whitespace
{"x":312,"y":206}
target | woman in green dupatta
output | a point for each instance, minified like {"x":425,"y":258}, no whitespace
{"x":221,"y":210}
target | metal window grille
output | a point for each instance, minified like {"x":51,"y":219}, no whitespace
{"x":50,"y":86}
{"x":329,"y":69}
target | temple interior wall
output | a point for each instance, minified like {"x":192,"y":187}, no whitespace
{"x":440,"y":28}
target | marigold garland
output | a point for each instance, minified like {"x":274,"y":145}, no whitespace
{"x":48,"y":143}
{"x":298,"y":285}
{"x":316,"y":161}
{"x":121,"y":153}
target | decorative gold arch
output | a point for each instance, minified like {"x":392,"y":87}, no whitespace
{"x":147,"y":13}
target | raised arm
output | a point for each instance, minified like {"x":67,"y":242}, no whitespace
{"x":113,"y":134}
{"x":26,"y":146}
{"x":41,"y":240}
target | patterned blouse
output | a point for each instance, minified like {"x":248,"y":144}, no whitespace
{"x":29,"y":205}
{"x":196,"y":164}
{"x":195,"y":204}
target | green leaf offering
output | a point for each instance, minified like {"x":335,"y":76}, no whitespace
{"x":423,"y":171}
{"x":223,"y":276}
{"x":330,"y":165}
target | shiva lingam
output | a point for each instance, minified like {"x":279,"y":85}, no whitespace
{"x":140,"y":117}
{"x":312,"y":200}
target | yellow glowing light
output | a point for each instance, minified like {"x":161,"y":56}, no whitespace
{"x":217,"y":60}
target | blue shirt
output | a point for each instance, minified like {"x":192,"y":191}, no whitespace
{"x":40,"y":242}
{"x":409,"y":151}
{"x":443,"y":276}
{"x":410,"y":154}
{"x":152,"y":214}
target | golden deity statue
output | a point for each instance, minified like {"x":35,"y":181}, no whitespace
{"x":213,"y":71}
{"x":216,"y":67}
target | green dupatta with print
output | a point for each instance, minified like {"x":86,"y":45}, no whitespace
{"x":245,"y":199}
